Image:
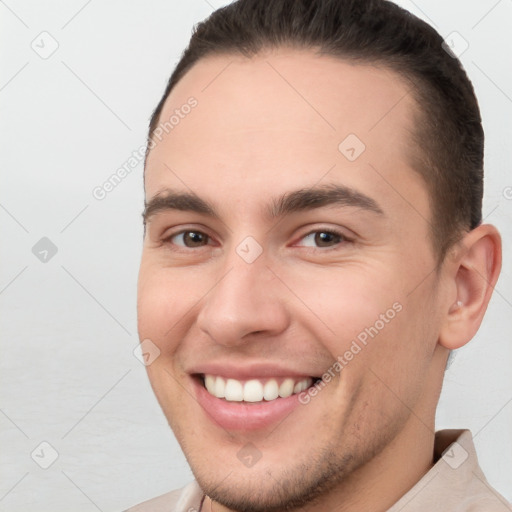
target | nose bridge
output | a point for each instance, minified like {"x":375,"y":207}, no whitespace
{"x":245,"y":300}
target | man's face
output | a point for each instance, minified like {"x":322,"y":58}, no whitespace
{"x":279,"y":283}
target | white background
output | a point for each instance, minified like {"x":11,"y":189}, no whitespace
{"x":68,"y":373}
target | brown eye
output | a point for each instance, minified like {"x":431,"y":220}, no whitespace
{"x":189,"y":239}
{"x":322,"y":238}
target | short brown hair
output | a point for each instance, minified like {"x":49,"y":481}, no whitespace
{"x":448,"y":136}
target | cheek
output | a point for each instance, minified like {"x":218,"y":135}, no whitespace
{"x":342,"y":305}
{"x":395,"y":362}
{"x":162,"y":306}
{"x":162,"y":314}
{"x":380,"y":335}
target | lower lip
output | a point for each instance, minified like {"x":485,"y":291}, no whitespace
{"x":244,"y":415}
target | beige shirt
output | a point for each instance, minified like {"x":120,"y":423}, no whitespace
{"x":454,"y":484}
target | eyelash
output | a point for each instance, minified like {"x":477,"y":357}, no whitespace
{"x":333,"y":232}
{"x":343,"y":238}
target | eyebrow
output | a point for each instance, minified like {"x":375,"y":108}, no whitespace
{"x":297,"y":200}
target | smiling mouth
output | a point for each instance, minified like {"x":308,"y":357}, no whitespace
{"x":255,"y":390}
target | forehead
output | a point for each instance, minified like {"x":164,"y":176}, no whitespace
{"x":284,"y":117}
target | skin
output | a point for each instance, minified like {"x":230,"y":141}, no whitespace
{"x":263,"y":127}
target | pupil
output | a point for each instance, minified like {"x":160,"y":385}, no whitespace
{"x":324,"y":238}
{"x":193,"y":239}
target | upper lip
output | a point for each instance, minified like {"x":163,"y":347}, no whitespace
{"x":255,"y":370}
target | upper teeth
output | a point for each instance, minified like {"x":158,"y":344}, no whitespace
{"x":254,"y":390}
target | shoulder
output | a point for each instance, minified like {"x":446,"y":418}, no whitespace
{"x":455,"y":483}
{"x":187,"y":499}
{"x":489,"y":503}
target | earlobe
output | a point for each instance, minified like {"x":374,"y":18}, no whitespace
{"x":475,"y":273}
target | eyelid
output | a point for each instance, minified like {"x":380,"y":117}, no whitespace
{"x":166,"y":239}
{"x":347,"y":237}
{"x":181,"y":228}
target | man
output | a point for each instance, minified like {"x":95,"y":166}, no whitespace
{"x":313,"y":251}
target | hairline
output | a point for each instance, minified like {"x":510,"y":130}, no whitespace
{"x":419,"y":118}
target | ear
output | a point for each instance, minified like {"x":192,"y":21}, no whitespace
{"x":474,"y":272}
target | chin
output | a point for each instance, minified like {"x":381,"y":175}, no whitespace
{"x":274,"y":487}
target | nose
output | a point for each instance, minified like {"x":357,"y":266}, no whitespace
{"x":246,"y":300}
